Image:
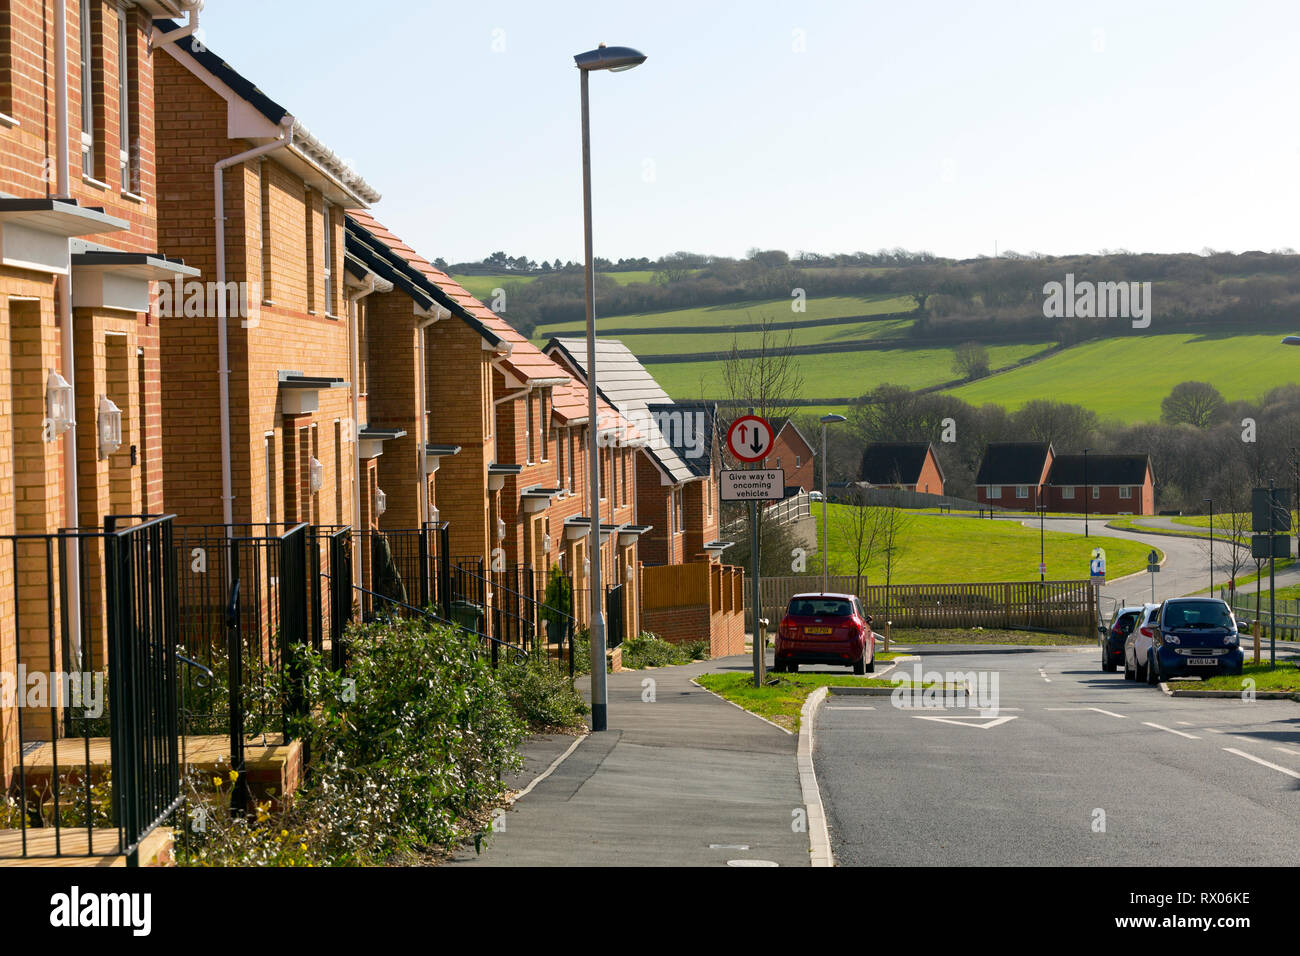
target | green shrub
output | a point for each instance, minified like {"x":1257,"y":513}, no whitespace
{"x":649,"y":650}
{"x":406,"y":745}
{"x":542,"y":694}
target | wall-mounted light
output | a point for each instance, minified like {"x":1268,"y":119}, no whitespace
{"x":315,"y":475}
{"x":630,"y":573}
{"x":501,"y":529}
{"x":58,"y":403}
{"x":586,"y":567}
{"x":110,"y":427}
{"x":433,"y":515}
{"x":381,"y":502}
{"x":546,"y":542}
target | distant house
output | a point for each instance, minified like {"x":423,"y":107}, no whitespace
{"x":1110,"y":484}
{"x":1013,"y":474}
{"x":909,"y":465}
{"x":793,"y":453}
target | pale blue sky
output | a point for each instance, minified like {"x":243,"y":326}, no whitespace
{"x":1049,"y":126}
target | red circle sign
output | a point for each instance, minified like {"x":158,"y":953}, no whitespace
{"x":750,"y":438}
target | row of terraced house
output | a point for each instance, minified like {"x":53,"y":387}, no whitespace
{"x":203,"y":315}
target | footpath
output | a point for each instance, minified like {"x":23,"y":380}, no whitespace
{"x":680,"y":778}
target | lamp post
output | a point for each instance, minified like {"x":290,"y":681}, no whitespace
{"x":1211,"y":501}
{"x":614,"y":58}
{"x":1087,"y":491}
{"x":826,"y":563}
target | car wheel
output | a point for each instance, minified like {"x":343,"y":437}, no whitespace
{"x":792,"y":668}
{"x":871,"y":664}
{"x":1108,"y":665}
{"x":860,"y":665}
{"x":1128,"y":674}
{"x":1140,"y":672}
{"x":1153,"y":673}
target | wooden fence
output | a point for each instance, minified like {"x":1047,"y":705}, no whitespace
{"x":1049,"y":606}
{"x":696,"y":601}
{"x":1287,"y":613}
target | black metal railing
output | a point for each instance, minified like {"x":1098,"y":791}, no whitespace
{"x":95,"y":763}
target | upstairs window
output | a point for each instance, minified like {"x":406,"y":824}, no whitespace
{"x":87,"y":93}
{"x":327,"y":248}
{"x":125,"y":125}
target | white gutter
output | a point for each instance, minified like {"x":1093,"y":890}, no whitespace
{"x":161,"y":39}
{"x":223,"y":353}
{"x":63,"y":285}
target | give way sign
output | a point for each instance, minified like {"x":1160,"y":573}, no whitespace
{"x":750,"y":438}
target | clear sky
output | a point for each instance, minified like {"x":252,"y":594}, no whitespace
{"x":1045,"y":126}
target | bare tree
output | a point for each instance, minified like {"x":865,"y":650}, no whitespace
{"x":859,"y":533}
{"x":970,"y":360}
{"x":1192,"y":403}
{"x":767,"y":377}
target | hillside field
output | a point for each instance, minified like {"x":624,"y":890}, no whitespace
{"x":1127,"y":378}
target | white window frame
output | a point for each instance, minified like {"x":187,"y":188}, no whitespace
{"x":327,"y":247}
{"x":528,"y":427}
{"x":544,"y":422}
{"x":1067,"y":492}
{"x":1126,"y":491}
{"x":995,"y":491}
{"x":1096,"y":492}
{"x":124,"y":100}
{"x":87,"y":93}
{"x":1022,"y":491}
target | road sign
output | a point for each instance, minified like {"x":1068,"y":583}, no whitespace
{"x":766,"y":484}
{"x":750,"y":438}
{"x":1260,"y":547}
{"x":1153,"y":562}
{"x":1042,"y":569}
{"x":1264,"y":500}
{"x":1097,"y":566}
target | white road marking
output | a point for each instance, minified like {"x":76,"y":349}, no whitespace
{"x":850,"y":708}
{"x":1183,"y":723}
{"x":1169,"y":730}
{"x":963,"y":721}
{"x":1211,"y":730}
{"x":1265,"y":763}
{"x":1108,"y":713}
{"x":1293,"y":753}
{"x":1043,"y":674}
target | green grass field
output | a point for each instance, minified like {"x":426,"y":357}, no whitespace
{"x":740,"y":313}
{"x":943,"y":550}
{"x":840,"y":374}
{"x":1127,"y":378}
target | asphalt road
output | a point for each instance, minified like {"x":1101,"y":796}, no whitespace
{"x":1067,"y":742}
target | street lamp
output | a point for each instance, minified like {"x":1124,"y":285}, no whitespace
{"x":1211,"y":501}
{"x":826,"y":564}
{"x":616,"y":59}
{"x":1087,"y":491}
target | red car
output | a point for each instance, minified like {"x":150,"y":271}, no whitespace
{"x":825,"y":629}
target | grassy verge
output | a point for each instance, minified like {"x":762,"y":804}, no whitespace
{"x":1285,"y":677}
{"x":935,"y":549}
{"x":781,"y":699}
{"x":978,"y":635}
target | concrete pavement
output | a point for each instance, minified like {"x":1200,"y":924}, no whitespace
{"x":683,"y":779}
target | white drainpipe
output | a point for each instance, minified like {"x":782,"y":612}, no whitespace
{"x":63,"y":284}
{"x":161,"y":39}
{"x":354,"y":350}
{"x":223,"y":354}
{"x":422,"y":424}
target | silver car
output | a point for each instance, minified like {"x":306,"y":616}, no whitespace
{"x":1137,"y":646}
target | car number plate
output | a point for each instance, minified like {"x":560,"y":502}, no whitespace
{"x":816,"y":630}
{"x":1203,"y":660}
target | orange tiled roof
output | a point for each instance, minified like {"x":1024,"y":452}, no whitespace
{"x":525,"y":361}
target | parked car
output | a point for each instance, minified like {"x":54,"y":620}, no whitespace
{"x":1137,"y":644}
{"x":1113,"y":635}
{"x":825,"y":629}
{"x":814,"y":496}
{"x":1194,"y":636}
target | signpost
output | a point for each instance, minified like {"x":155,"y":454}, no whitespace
{"x":749,"y":439}
{"x":1153,"y":568}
